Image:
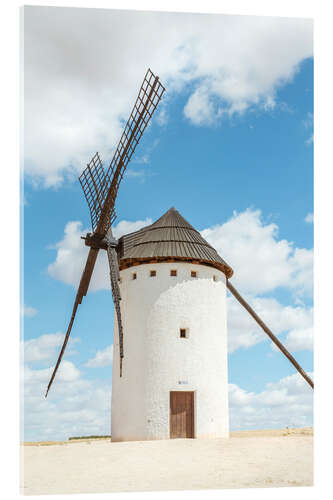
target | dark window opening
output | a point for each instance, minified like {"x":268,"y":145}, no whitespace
{"x":193,"y":274}
{"x":173,"y":272}
{"x":152,"y":273}
{"x":183,"y":333}
{"x":134,"y":276}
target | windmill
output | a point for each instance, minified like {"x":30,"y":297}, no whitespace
{"x":100,"y":189}
{"x":174,"y":286}
{"x":157,"y":361}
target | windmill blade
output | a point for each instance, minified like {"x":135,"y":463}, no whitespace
{"x":114,"y":277}
{"x":100,"y":190}
{"x":82,"y":291}
{"x":269,"y":333}
{"x":150,"y":94}
{"x":95,"y":184}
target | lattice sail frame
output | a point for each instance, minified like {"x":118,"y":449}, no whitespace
{"x":149,"y":96}
{"x":95,"y":182}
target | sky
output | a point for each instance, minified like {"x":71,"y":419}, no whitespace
{"x":230,"y":147}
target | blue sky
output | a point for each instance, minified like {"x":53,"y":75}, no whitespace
{"x":231,"y":148}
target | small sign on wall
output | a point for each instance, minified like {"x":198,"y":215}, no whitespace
{"x":182,"y":382}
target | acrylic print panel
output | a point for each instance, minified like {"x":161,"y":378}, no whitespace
{"x":219,"y":185}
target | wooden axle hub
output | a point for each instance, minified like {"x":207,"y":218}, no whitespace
{"x":95,"y":241}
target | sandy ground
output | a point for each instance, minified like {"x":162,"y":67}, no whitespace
{"x":258,"y":459}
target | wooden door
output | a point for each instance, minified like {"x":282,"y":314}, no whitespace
{"x":181,"y":414}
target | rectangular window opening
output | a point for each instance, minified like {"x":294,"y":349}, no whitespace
{"x":193,"y":274}
{"x":134,"y":276}
{"x":183,"y":333}
{"x":214,"y":277}
{"x":152,"y":273}
{"x":173,"y":272}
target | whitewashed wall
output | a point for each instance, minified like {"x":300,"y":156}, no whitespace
{"x":158,"y":361}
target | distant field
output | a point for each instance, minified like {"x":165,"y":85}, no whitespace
{"x":89,"y":437}
{"x":308,"y":431}
{"x":265,"y":432}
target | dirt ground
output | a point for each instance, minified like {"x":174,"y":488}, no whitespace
{"x":257,"y":459}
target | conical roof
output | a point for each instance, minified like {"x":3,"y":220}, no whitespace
{"x":170,"y":237}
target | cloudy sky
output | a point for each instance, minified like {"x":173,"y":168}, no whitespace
{"x":231,"y":147}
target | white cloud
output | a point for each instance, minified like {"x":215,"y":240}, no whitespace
{"x":301,"y":264}
{"x":74,"y":406}
{"x":45,"y":347}
{"x":42,"y":348}
{"x":71,"y":257}
{"x":243,"y":331}
{"x":299,"y":339}
{"x":309,"y":218}
{"x":72,"y":254}
{"x":286,"y":403}
{"x":67,"y":373}
{"x":28,"y":311}
{"x":78,"y":90}
{"x":102,"y":358}
{"x":126,"y":226}
{"x":260,"y":260}
{"x":200,"y":108}
{"x":262,"y":263}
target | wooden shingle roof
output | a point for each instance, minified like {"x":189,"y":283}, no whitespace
{"x":171,"y":237}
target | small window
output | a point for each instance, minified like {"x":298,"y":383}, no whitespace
{"x":183,"y":333}
{"x":193,"y":274}
{"x":214,"y":277}
{"x":134,"y":276}
{"x":152,"y":273}
{"x":173,"y":272}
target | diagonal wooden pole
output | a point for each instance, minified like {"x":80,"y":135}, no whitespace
{"x":269,"y":333}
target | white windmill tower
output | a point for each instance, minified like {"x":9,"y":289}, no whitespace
{"x":175,"y":377}
{"x":169,"y":292}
